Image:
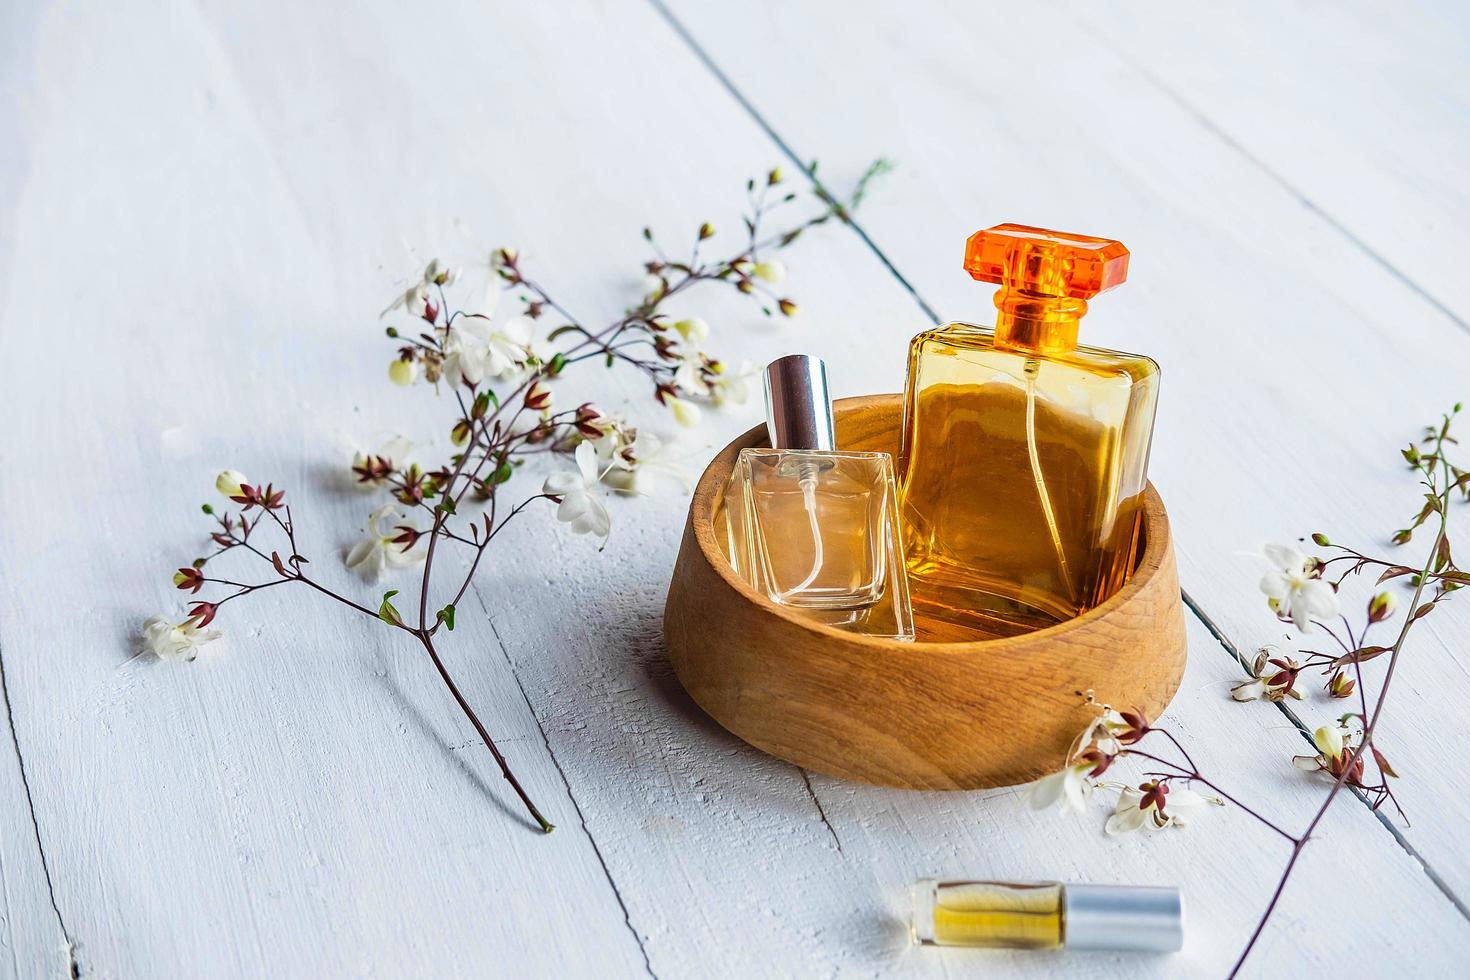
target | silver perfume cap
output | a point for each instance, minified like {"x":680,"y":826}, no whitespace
{"x":1122,"y":917}
{"x":798,"y":407}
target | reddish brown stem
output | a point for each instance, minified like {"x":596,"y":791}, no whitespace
{"x":545,"y":825}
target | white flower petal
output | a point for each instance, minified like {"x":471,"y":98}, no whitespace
{"x":1125,"y":821}
{"x":1047,"y":790}
{"x":587,"y":463}
{"x":1249,"y":691}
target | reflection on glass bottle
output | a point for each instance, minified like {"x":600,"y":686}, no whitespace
{"x":1025,"y":455}
{"x":814,"y":528}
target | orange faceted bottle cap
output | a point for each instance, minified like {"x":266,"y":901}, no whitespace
{"x":1046,"y":263}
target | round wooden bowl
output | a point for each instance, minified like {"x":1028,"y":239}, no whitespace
{"x":913,"y":715}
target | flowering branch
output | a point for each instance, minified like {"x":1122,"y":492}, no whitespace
{"x":1300,"y":592}
{"x":501,"y":374}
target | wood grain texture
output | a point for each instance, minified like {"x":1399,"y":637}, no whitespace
{"x":208,"y":204}
{"x":986,"y":714}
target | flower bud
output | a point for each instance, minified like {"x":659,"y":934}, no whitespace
{"x":772,"y":271}
{"x":693,"y":329}
{"x":706,"y":230}
{"x":230,"y":483}
{"x":788,"y":308}
{"x":1381,"y":607}
{"x":774,"y":177}
{"x":402,"y":372}
{"x":1328,"y":739}
{"x":1341,"y":685}
{"x":538,"y":397}
{"x":189,"y":578}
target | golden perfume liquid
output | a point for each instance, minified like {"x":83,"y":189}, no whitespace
{"x":1047,"y":915}
{"x":1024,"y":454}
{"x":992,"y":914}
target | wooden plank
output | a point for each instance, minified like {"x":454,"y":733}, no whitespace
{"x":1359,"y":109}
{"x":33,"y":941}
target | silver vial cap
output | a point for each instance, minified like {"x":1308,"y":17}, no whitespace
{"x":1122,"y":917}
{"x":798,"y":407}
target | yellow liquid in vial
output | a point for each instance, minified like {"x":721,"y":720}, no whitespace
{"x":992,"y":914}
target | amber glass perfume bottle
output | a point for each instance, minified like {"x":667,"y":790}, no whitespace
{"x":1047,"y":915}
{"x":814,"y":528}
{"x":1024,"y":453}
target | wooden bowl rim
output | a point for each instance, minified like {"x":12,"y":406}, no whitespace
{"x":716,"y":475}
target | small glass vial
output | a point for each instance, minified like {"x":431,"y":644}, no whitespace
{"x":1047,"y":915}
{"x":813,"y":528}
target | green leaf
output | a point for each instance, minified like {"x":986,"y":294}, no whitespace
{"x":446,"y":505}
{"x":447,"y":614}
{"x":568,"y":328}
{"x":386,"y":612}
{"x":502,"y":473}
{"x":558,"y":362}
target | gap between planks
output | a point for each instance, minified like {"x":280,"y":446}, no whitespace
{"x":1227,"y":646}
{"x":69,"y":946}
{"x":567,"y":784}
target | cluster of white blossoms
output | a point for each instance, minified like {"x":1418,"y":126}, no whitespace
{"x":180,"y":640}
{"x":610,"y":454}
{"x":1156,"y":804}
{"x":698,"y":375}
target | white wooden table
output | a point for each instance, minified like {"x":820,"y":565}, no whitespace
{"x":203,"y":207}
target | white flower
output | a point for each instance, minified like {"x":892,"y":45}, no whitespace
{"x":476,"y":348}
{"x":168,"y":640}
{"x":439,"y":275}
{"x":1066,"y":786}
{"x":230,"y":483}
{"x":634,"y":462}
{"x":581,"y":504}
{"x":686,"y":413}
{"x":393,"y":545}
{"x":693,"y":329}
{"x":772,"y":271}
{"x":689,"y":375}
{"x":1157,"y":805}
{"x":1293,"y":588}
{"x":411,"y":300}
{"x":732,"y":386}
{"x":1102,"y":729}
{"x":500,"y":258}
{"x":371,"y":471}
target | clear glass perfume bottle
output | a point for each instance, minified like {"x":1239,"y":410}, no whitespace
{"x":1025,"y":454}
{"x":814,"y":528}
{"x":1047,"y":915}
